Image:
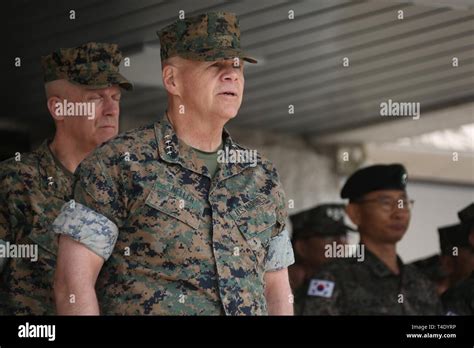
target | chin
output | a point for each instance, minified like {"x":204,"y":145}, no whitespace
{"x":395,"y":237}
{"x":104,"y":137}
{"x":228,"y":114}
{"x":105,"y":134}
{"x":232,"y":115}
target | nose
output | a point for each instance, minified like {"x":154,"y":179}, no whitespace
{"x":231,"y":73}
{"x":399,"y":213}
{"x":111,"y":107}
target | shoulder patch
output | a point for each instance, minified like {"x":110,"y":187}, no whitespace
{"x":321,"y":288}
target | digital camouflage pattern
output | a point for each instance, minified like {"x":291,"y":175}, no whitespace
{"x":459,"y":300}
{"x":187,"y":244}
{"x":370,"y":288}
{"x":32,"y":192}
{"x":95,"y":65}
{"x":73,"y":217}
{"x":207,"y":37}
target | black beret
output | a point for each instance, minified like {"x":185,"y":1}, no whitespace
{"x":325,"y":220}
{"x":374,"y":178}
{"x":453,"y":236}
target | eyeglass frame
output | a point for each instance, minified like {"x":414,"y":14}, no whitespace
{"x":393,"y":203}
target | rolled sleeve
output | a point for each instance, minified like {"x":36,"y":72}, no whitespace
{"x":87,"y":227}
{"x":280,"y":252}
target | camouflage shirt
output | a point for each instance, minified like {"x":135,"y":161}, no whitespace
{"x":459,"y":300}
{"x":176,"y":241}
{"x":348,"y":287}
{"x":32,"y":192}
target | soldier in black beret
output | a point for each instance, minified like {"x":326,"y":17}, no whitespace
{"x":457,"y":251}
{"x":379,"y":284}
{"x":456,"y":261}
{"x":457,"y":247}
{"x":313,"y":230}
{"x":453,"y":264}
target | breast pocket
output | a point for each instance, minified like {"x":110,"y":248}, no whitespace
{"x":42,"y":245}
{"x":256,"y":224}
{"x":42,"y":236}
{"x":166,"y":230}
{"x":186,"y":211}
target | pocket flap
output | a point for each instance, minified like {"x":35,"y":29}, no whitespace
{"x":41,"y":235}
{"x":255,"y":216}
{"x":184,"y":210}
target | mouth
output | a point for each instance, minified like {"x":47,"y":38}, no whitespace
{"x":397,"y":227}
{"x":228,"y":94}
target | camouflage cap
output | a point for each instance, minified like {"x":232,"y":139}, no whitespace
{"x":95,"y":65}
{"x":207,"y":37}
{"x":325,"y":220}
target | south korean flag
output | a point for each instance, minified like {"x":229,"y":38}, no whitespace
{"x":321,"y":288}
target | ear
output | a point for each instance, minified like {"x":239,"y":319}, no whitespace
{"x":55,"y":107}
{"x":169,"y":79}
{"x":300,"y":247}
{"x":353,"y":212}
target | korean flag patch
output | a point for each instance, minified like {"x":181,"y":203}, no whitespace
{"x":321,"y":288}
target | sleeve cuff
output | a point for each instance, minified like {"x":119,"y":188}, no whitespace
{"x":280,"y":252}
{"x":87,"y":227}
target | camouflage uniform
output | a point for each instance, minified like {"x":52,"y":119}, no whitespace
{"x":34,"y":189}
{"x":369,"y":288}
{"x":366,"y":286}
{"x":29,"y":204}
{"x":459,"y":300}
{"x":322,"y":221}
{"x":179,"y":241}
{"x":431,"y":268}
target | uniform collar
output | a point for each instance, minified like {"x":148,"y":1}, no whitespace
{"x":378,"y":267}
{"x":54,"y":177}
{"x":173,"y":150}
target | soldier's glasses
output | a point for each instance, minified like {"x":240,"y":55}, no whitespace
{"x":388,"y":204}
